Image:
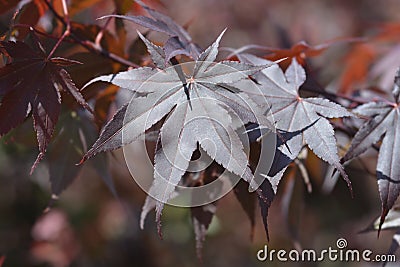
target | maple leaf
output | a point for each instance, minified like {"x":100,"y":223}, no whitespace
{"x":69,"y":145}
{"x":33,"y":84}
{"x":248,"y":202}
{"x":179,"y":42}
{"x":205,"y":115}
{"x":292,"y":113}
{"x":385,"y":122}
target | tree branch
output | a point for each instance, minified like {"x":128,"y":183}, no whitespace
{"x":89,"y":45}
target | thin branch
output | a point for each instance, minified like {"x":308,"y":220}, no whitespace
{"x":67,"y":30}
{"x":19,"y":25}
{"x":100,"y":35}
{"x":65,"y":34}
{"x":90,"y":46}
{"x":65,"y":10}
{"x":334,"y":95}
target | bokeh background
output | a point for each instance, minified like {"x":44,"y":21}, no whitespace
{"x":89,"y":226}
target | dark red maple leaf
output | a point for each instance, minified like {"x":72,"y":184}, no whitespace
{"x":32,"y":84}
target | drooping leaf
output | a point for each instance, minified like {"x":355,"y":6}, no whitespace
{"x":68,"y":147}
{"x":293,"y":113}
{"x":385,"y":122}
{"x":201,"y":218}
{"x":63,"y":154}
{"x":265,"y":200}
{"x":190,"y":121}
{"x":33,"y":84}
{"x":248,"y":202}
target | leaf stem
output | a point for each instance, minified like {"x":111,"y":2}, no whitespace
{"x":65,"y":34}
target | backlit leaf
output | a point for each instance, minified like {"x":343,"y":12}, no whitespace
{"x":33,"y":84}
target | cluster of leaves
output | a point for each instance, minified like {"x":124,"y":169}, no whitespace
{"x":38,"y":84}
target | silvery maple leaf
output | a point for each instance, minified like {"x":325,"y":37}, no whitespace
{"x":293,"y":113}
{"x":385,"y":122}
{"x":199,"y":107}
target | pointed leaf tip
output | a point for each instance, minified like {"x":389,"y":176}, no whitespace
{"x":385,"y":212}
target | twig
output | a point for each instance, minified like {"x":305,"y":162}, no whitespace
{"x":19,"y":25}
{"x":90,"y":46}
{"x":334,"y":95}
{"x":67,"y":30}
{"x":50,"y":6}
{"x":100,"y":34}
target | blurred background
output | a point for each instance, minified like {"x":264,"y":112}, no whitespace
{"x":89,"y":226}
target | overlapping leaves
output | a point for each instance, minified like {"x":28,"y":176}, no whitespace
{"x":179,"y":42}
{"x":305,"y":119}
{"x":32,"y":84}
{"x":385,"y":121}
{"x":199,"y":107}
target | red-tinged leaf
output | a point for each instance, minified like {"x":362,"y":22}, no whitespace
{"x":2,"y":259}
{"x":356,"y":66}
{"x":248,"y":202}
{"x":30,"y":14}
{"x":64,"y":61}
{"x":202,"y":217}
{"x":299,"y":51}
{"x":388,"y":32}
{"x":32,"y":84}
{"x":302,"y":50}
